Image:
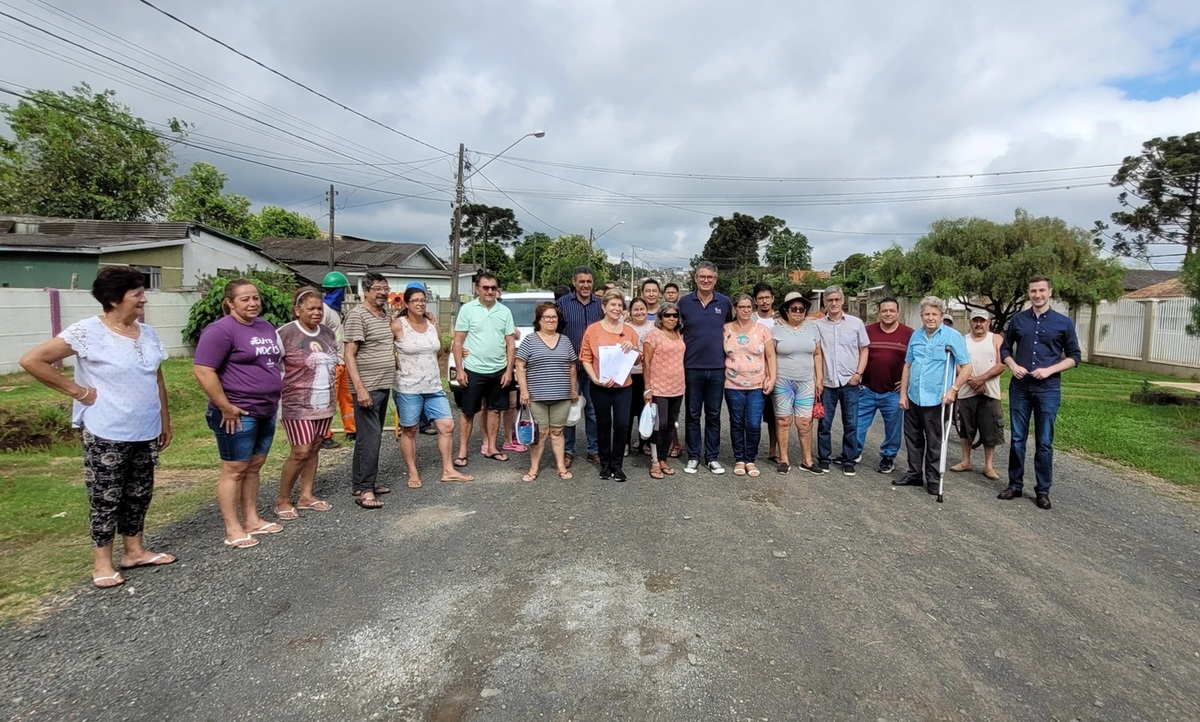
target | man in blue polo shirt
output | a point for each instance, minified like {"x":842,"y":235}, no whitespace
{"x":704,"y":313}
{"x":1040,"y":344}
{"x":927,"y":387}
{"x":579,"y":310}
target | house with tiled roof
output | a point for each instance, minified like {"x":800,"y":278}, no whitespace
{"x":40,"y":252}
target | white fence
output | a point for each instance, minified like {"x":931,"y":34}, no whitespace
{"x":1120,"y":328}
{"x":1171,"y":342}
{"x":29,"y":320}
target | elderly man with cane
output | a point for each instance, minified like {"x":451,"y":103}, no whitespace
{"x":928,"y":385}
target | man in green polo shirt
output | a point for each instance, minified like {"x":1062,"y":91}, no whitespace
{"x":485,"y":329}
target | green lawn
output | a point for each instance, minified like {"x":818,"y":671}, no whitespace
{"x":44,"y":544}
{"x":1097,"y":418}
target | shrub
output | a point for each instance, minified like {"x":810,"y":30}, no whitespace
{"x":276,"y":306}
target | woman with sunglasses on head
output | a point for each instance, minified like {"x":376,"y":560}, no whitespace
{"x":309,"y":368}
{"x":611,"y":398}
{"x":417,"y":389}
{"x":749,"y":371}
{"x":662,"y":365}
{"x":799,"y":372}
{"x":546,"y":376}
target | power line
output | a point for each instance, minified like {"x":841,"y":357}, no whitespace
{"x":288,"y":78}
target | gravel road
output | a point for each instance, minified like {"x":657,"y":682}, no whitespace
{"x":693,"y":598}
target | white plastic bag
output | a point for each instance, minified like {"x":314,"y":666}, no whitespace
{"x":648,"y":421}
{"x":576,"y":412}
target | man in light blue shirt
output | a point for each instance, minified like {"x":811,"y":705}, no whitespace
{"x":927,"y":388}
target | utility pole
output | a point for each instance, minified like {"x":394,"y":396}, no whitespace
{"x":591,"y":240}
{"x":456,"y":233}
{"x":332,"y":211}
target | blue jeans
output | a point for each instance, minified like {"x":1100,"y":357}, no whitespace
{"x":847,"y":396}
{"x":704,"y":390}
{"x":888,"y":406}
{"x":745,"y":422}
{"x":1043,"y":405}
{"x":589,"y":416}
{"x":253,"y":439}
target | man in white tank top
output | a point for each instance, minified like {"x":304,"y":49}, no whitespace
{"x":979,"y":411}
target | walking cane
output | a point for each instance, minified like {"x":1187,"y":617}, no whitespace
{"x":947,"y":379}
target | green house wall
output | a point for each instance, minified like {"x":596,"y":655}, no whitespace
{"x":169,"y":259}
{"x":46,"y":270}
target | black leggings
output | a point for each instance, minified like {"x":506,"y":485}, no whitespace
{"x":668,"y":412}
{"x":612,"y":423}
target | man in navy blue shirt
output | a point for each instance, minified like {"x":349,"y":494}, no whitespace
{"x":1040,"y":344}
{"x":704,"y":313}
{"x":579,"y":310}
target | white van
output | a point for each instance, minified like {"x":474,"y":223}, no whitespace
{"x":522,"y":305}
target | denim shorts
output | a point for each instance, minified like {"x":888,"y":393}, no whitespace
{"x":435,"y":405}
{"x":253,"y":440}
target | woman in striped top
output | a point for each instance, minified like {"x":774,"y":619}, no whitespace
{"x":546,"y":377}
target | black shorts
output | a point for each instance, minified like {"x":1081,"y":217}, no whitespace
{"x":981,"y":415}
{"x":482,"y":388}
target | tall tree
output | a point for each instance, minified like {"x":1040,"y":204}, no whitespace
{"x":84,"y":155}
{"x":855,"y":273}
{"x":482,"y":223}
{"x":531,"y":256}
{"x":276,"y":222}
{"x":788,"y":249}
{"x":1162,"y":194}
{"x":988,"y":265}
{"x":198,"y":196}
{"x":733,"y":246}
{"x":567,"y":253}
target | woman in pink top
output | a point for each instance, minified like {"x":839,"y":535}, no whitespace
{"x":662,"y":363}
{"x":749,"y":372}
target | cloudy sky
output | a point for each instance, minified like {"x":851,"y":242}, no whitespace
{"x":858,"y":123}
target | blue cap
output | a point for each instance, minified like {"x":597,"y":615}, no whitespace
{"x":415,"y":284}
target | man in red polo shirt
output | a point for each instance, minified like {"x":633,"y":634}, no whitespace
{"x":881,"y":382}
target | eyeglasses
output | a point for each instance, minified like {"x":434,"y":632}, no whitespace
{"x":380,"y":288}
{"x":669,"y":315}
{"x":745,"y":308}
{"x":489,"y":288}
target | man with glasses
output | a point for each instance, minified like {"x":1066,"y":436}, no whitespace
{"x":844,"y":343}
{"x":704,"y":313}
{"x":577,"y":311}
{"x":881,"y":383}
{"x":371,"y":366}
{"x":764,"y":313}
{"x":485,"y":328}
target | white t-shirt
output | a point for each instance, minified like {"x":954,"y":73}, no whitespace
{"x":124,"y":372}
{"x":769,"y":321}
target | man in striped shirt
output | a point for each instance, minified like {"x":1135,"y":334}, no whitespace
{"x":577,"y":311}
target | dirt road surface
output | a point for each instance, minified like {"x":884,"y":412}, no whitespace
{"x":693,"y":598}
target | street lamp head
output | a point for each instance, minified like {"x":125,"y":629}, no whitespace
{"x":538,"y":134}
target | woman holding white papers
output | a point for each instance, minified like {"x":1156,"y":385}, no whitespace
{"x":608,"y":350}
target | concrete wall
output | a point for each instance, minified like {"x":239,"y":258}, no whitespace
{"x":28,"y":321}
{"x":207,"y":254}
{"x":46,"y":270}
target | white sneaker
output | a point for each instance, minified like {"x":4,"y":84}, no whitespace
{"x":691,"y":467}
{"x":715,"y":467}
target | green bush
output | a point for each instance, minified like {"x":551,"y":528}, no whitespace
{"x":276,"y":306}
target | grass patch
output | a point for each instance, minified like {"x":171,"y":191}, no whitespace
{"x":1098,"y":418}
{"x":44,"y":542}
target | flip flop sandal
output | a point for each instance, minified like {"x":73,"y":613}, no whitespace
{"x":268,"y":528}
{"x":773,"y":459}
{"x":382,"y":490}
{"x":529,"y":477}
{"x":158,"y":560}
{"x":116,"y":579}
{"x":669,"y":471}
{"x":752,"y":470}
{"x":565,"y":475}
{"x":414,"y":484}
{"x":465,"y":477}
{"x":739,"y":469}
{"x":463,"y":459}
{"x":656,"y":473}
{"x":287,"y":514}
{"x":244,"y":543}
{"x":318,"y":505}
{"x":369,"y":503}
{"x":496,"y":456}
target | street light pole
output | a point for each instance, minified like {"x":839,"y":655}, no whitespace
{"x":459,"y":199}
{"x":592,"y":238}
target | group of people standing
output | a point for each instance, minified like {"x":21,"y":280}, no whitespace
{"x":697,"y":350}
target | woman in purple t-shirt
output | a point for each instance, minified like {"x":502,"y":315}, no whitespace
{"x":237,"y":365}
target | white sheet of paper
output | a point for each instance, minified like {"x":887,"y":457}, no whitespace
{"x":616,"y":364}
